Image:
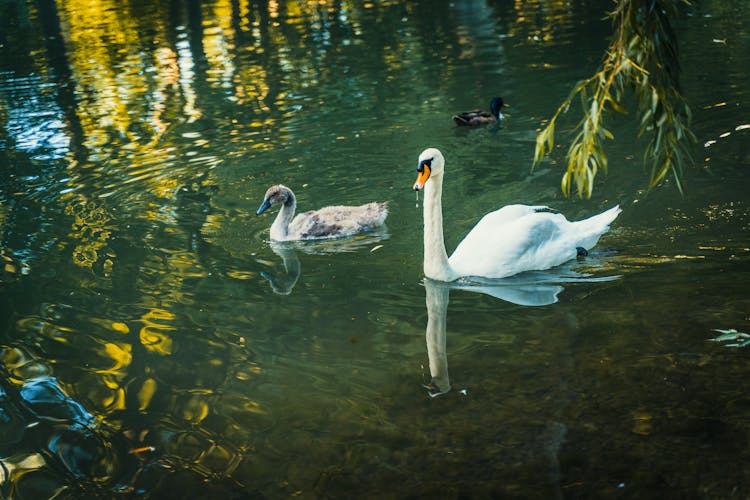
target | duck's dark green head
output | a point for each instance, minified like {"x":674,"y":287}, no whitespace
{"x":496,"y":106}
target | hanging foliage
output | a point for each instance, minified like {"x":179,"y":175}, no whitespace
{"x":643,"y":58}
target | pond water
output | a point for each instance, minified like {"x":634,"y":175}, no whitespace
{"x":154,"y":343}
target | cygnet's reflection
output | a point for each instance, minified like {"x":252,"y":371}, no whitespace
{"x":538,"y":288}
{"x":283,"y":282}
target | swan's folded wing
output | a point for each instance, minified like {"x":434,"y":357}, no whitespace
{"x":508,"y":214}
{"x":512,"y":240}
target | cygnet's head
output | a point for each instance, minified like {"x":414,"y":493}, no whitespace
{"x":431,"y":162}
{"x":275,"y":195}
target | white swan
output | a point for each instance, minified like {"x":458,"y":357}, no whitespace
{"x":505,"y":242}
{"x":327,"y":222}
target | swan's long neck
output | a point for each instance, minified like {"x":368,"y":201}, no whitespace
{"x":435,"y":264}
{"x":280,"y":226}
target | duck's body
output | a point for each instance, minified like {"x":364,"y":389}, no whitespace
{"x":508,"y":241}
{"x":327,"y":222}
{"x":477,"y":117}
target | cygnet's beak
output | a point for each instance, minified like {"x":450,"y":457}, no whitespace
{"x":422,"y":176}
{"x":264,"y":206}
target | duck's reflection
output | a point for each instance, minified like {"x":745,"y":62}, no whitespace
{"x":283,"y":281}
{"x":537,"y":288}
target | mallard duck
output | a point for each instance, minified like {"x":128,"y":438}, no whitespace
{"x":505,"y":242}
{"x":327,"y":222}
{"x":478,"y":117}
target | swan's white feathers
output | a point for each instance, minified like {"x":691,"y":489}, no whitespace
{"x":508,"y":241}
{"x":520,"y":238}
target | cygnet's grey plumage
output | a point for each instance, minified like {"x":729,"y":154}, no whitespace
{"x":327,"y":222}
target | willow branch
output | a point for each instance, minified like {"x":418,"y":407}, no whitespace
{"x":643,"y":58}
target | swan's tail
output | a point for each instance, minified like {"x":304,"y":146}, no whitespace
{"x":592,"y":228}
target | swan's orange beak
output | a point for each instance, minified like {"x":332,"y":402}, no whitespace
{"x":422,"y":176}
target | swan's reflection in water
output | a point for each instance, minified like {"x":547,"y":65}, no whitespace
{"x":283,"y":281}
{"x":537,"y":288}
{"x":437,"y":295}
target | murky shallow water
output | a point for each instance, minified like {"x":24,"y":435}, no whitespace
{"x":155,"y":343}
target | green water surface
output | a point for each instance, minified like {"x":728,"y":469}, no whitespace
{"x":154,"y":344}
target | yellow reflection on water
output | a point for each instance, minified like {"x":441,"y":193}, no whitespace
{"x":152,"y":335}
{"x":115,"y":400}
{"x":540,"y":19}
{"x":156,"y":341}
{"x":15,"y":466}
{"x":168,"y":78}
{"x":219,"y":44}
{"x":125,"y":93}
{"x":93,"y":28}
{"x":121,"y":356}
{"x":194,"y":408}
{"x":92,"y":227}
{"x":146,"y":393}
